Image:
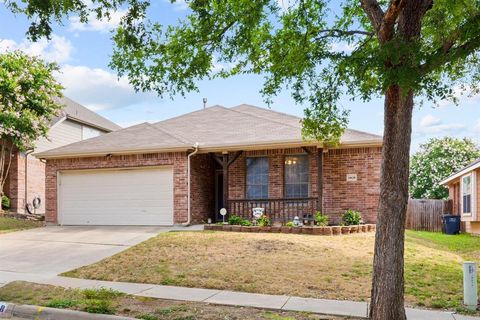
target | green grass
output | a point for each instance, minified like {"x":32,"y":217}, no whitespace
{"x":11,"y":224}
{"x":463,"y":244}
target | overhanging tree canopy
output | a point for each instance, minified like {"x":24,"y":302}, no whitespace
{"x":401,"y":49}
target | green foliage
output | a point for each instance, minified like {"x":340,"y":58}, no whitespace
{"x":235,"y":220}
{"x":5,"y":202}
{"x":98,"y":306}
{"x":290,"y":224}
{"x":28,"y":98}
{"x":263,"y":221}
{"x":321,"y":219}
{"x":436,"y":160}
{"x":147,"y":316}
{"x":62,"y":303}
{"x":351,"y":217}
{"x":28,"y":102}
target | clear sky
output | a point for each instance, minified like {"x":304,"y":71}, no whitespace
{"x":83,"y":53}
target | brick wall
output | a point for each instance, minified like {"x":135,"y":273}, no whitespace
{"x":177,"y":160}
{"x":338,"y":194}
{"x":15,"y":188}
{"x":361,"y":195}
{"x":202,"y":193}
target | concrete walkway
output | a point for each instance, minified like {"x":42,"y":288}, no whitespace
{"x":275,"y":302}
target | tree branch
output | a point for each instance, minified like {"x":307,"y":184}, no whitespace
{"x":448,"y":52}
{"x":374,"y":12}
{"x":387,"y":27}
{"x":336,"y":33}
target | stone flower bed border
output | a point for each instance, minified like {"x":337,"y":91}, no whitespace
{"x":323,"y":231}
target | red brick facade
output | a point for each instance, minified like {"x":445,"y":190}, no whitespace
{"x":338,"y":194}
{"x":15,"y":186}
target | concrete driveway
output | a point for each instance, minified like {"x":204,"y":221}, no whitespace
{"x":52,"y":250}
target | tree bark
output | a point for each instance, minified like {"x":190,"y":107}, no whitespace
{"x":387,"y":301}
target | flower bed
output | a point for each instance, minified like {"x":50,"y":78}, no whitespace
{"x":322,"y":231}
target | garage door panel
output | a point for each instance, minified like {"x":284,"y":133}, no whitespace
{"x":117,"y":197}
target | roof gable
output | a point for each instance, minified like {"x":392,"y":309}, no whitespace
{"x":79,"y":113}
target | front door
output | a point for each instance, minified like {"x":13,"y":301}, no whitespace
{"x":218,"y":194}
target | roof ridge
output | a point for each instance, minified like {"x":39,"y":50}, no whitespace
{"x":191,"y":112}
{"x":181,"y":139}
{"x":262,"y":118}
{"x":271,"y":110}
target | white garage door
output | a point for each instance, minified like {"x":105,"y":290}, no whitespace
{"x":116,"y":197}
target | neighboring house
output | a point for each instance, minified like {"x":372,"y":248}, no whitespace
{"x":186,"y":168}
{"x":464,"y":191}
{"x":26,"y":178}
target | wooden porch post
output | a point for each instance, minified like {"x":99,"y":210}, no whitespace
{"x":320,"y":179}
{"x":225,"y":179}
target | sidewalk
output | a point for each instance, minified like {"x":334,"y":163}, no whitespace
{"x":275,"y":302}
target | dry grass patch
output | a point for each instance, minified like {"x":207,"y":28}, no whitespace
{"x":335,"y":267}
{"x":138,"y":307}
{"x":12,"y":224}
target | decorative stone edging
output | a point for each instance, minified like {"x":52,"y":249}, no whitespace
{"x":323,"y":231}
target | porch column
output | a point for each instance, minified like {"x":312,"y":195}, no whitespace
{"x":225,"y":179}
{"x":320,"y":179}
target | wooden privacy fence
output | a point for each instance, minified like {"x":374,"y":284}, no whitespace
{"x":426,"y":214}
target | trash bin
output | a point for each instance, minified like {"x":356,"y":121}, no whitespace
{"x":451,"y":224}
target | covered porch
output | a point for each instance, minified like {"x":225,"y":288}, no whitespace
{"x":285,"y":182}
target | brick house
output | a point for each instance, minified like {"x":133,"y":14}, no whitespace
{"x":26,"y":177}
{"x":183,"y":170}
{"x":464,"y":191}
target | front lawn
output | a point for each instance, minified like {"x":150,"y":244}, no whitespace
{"x":11,"y":224}
{"x":334,"y":267}
{"x":113,"y":302}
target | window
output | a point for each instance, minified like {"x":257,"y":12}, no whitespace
{"x":257,"y":178}
{"x":89,"y":132}
{"x":296,"y":176}
{"x":467,"y":194}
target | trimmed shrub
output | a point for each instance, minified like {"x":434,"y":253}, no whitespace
{"x":351,"y":218}
{"x":321,"y":219}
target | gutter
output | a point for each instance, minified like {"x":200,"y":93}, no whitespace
{"x":189,"y":213}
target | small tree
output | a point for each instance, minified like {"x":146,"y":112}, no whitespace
{"x":436,"y":160}
{"x":28,"y":102}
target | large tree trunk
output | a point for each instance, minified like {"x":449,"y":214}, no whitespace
{"x":388,"y":282}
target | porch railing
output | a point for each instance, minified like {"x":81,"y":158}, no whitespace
{"x":281,"y":210}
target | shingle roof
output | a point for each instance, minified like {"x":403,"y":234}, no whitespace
{"x":470,"y":167}
{"x":77,"y":112}
{"x":214,"y":128}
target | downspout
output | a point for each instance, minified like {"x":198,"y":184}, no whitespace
{"x":189,"y":214}
{"x":27,"y":153}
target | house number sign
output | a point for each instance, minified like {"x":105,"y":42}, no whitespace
{"x":351,"y":177}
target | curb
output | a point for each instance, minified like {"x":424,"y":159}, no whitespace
{"x":44,"y":313}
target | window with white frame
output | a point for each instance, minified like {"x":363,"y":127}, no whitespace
{"x":467,"y":194}
{"x":296,"y":176}
{"x":257,"y":178}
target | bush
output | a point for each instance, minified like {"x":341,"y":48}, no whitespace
{"x":5,"y":202}
{"x":245,"y":223}
{"x":235,"y":220}
{"x":289,"y":224}
{"x":238,"y":221}
{"x":351,"y":217}
{"x":321,"y":219}
{"x":263,"y":221}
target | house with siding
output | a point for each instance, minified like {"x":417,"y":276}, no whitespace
{"x":26,"y":178}
{"x":185,"y":169}
{"x":464,"y":191}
